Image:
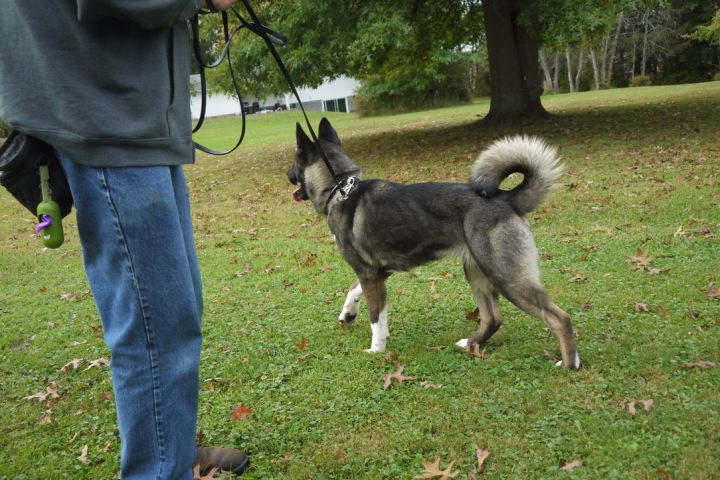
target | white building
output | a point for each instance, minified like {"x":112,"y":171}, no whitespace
{"x":332,"y":96}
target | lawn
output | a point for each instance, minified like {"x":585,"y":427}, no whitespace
{"x":630,"y":247}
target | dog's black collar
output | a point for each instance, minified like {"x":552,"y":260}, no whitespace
{"x":345,"y":187}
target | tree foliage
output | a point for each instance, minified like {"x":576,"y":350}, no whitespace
{"x":415,"y":53}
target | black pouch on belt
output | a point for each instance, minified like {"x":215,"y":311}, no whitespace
{"x":20,"y":157}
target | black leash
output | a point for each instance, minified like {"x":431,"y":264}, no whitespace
{"x":271,"y":38}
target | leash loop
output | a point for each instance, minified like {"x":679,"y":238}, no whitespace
{"x":271,"y":38}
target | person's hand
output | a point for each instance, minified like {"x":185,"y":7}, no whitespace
{"x":220,"y":4}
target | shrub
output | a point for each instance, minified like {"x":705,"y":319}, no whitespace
{"x":640,"y":81}
{"x":445,"y":80}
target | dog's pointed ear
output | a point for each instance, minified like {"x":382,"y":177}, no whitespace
{"x":328,"y":133}
{"x":304,"y":144}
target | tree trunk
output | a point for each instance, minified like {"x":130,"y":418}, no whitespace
{"x":556,"y":73}
{"x":643,"y":63}
{"x":548,"y":83}
{"x":571,"y":85}
{"x":513,"y":49}
{"x":634,"y":55}
{"x":611,"y":58}
{"x":579,"y":70}
{"x":603,"y":60}
{"x":596,"y":73}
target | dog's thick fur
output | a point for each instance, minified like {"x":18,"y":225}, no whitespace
{"x":381,"y":227}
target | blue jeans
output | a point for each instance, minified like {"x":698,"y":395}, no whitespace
{"x":136,"y":236}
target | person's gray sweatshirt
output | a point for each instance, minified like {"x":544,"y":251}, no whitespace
{"x":105,"y":82}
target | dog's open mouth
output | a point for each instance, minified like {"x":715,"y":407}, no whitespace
{"x":297,"y":195}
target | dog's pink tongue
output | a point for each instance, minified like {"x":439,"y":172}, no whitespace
{"x":296,"y":196}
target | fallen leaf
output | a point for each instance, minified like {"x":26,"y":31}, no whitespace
{"x":397,"y":375}
{"x":711,"y":290}
{"x":41,"y":396}
{"x":700,"y":364}
{"x":578,"y":279}
{"x":208,"y":476}
{"x":47,"y":417}
{"x":570,"y":466}
{"x":647,"y":406}
{"x":474,"y":351}
{"x":482,"y":454}
{"x":340,"y":456}
{"x":641,"y":307}
{"x":600,"y":228}
{"x":473,"y":315}
{"x":74,"y":363}
{"x":427,"y":385}
{"x":432,"y":470}
{"x":241,"y":412}
{"x":83,"y":455}
{"x":98,"y":363}
{"x":50,"y":391}
{"x":302,"y":344}
{"x":641,"y":260}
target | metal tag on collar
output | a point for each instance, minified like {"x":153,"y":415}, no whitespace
{"x":350,"y":184}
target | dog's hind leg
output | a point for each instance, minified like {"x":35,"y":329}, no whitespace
{"x":486,"y":298}
{"x":376,"y":298}
{"x":511,"y":262}
{"x":352,"y":304}
{"x":535,"y":301}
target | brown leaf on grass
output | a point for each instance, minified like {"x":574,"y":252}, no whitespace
{"x":600,"y":228}
{"x":641,"y":260}
{"x":658,"y":271}
{"x":711,"y":290}
{"x":76,"y":296}
{"x":98,"y":363}
{"x":47,"y":417}
{"x":432,"y":470}
{"x":50,"y":391}
{"x":473,"y":315}
{"x":578,"y":279}
{"x":302,"y":344}
{"x":83,"y":455}
{"x":700,"y":364}
{"x":397,"y":375}
{"x":74,"y":364}
{"x":641,"y":307}
{"x":482,"y":454}
{"x":474,"y":351}
{"x":427,"y":385}
{"x":241,"y":412}
{"x":570,"y":466}
{"x":340,"y":456}
{"x":647,"y":406}
{"x":208,"y":476}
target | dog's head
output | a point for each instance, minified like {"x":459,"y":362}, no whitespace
{"x":309,"y":171}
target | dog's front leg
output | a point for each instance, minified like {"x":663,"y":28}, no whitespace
{"x":376,"y":298}
{"x":352,"y":304}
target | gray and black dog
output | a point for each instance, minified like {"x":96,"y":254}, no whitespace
{"x":381,"y":227}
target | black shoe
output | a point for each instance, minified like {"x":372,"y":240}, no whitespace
{"x":224,"y":459}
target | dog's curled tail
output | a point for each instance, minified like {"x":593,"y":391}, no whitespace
{"x":531,"y":156}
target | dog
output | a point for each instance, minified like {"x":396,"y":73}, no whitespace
{"x":381,"y":227}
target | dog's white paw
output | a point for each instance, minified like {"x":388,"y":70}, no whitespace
{"x":374,"y":350}
{"x":462,"y":343}
{"x":577,"y":364}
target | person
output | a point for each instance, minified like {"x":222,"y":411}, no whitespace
{"x":106,"y":84}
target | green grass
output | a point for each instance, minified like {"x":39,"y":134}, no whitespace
{"x":643,"y":173}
